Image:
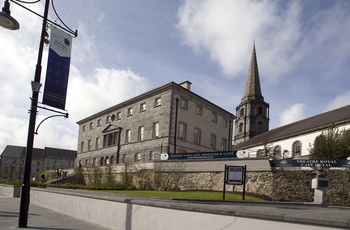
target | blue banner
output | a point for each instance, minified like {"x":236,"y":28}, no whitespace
{"x":57,"y":73}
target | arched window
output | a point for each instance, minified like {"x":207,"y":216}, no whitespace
{"x":260,"y":153}
{"x":241,"y":127}
{"x":101,"y":161}
{"x":111,"y":161}
{"x":107,"y":161}
{"x":296,"y":149}
{"x":277,"y":153}
{"x":260,"y":127}
{"x":242,"y":112}
{"x":94,"y":162}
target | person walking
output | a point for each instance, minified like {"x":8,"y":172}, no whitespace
{"x":43,"y":179}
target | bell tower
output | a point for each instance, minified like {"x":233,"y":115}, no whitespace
{"x":253,"y":112}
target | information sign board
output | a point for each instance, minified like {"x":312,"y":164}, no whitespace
{"x":235,"y":175}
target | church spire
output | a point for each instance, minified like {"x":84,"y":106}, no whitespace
{"x":252,"y":87}
{"x":253,"y":112}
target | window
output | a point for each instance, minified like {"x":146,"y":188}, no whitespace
{"x":91,"y":125}
{"x":214,"y":117}
{"x":138,"y":157}
{"x":110,"y":139}
{"x":84,"y":128}
{"x":157,"y":102}
{"x":97,"y":143}
{"x":89,"y":145}
{"x":140,"y":135}
{"x":183,"y":103}
{"x":155,"y":131}
{"x":212,"y":141}
{"x":113,"y":117}
{"x":125,"y":158}
{"x":111,"y":160}
{"x":107,"y":161}
{"x":182,"y":131}
{"x":224,"y":144}
{"x":241,"y":127}
{"x":197,"y":136}
{"x":153,"y":155}
{"x":260,"y":127}
{"x":199,"y":110}
{"x":108,"y":119}
{"x":82,"y":146}
{"x":127,"y":136}
{"x":143,"y":107}
{"x":242,"y":112}
{"x":260,"y":110}
{"x":277,"y":153}
{"x":99,"y":122}
{"x":129,"y":113}
{"x":38,"y":163}
{"x":94,"y":161}
{"x":224,"y":123}
{"x":296,"y":149}
{"x":119,"y":116}
{"x":261,"y":153}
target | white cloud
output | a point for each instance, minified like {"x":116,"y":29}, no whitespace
{"x":103,"y":89}
{"x":340,"y":100}
{"x":292,"y":114}
{"x":226,"y":29}
{"x":87,"y":93}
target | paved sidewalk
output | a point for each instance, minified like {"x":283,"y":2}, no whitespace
{"x":39,"y":218}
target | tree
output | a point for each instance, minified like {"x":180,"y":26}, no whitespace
{"x":332,"y":144}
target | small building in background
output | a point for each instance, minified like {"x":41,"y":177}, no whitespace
{"x":13,"y":157}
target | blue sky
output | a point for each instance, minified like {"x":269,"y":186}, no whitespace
{"x":125,"y":48}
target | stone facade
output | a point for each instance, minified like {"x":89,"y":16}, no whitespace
{"x":167,"y":119}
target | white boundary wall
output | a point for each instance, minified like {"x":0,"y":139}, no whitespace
{"x":133,"y":214}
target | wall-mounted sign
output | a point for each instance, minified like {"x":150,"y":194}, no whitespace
{"x":202,"y":155}
{"x":310,"y":163}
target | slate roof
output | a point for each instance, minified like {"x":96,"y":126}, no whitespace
{"x":319,"y":122}
{"x":19,"y":152}
{"x":13,"y":151}
{"x":60,"y":153}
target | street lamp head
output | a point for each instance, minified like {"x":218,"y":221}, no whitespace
{"x":6,"y":20}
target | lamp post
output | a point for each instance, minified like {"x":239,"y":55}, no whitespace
{"x":8,"y":22}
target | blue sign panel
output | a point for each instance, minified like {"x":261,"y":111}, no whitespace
{"x":57,"y":69}
{"x":311,"y":163}
{"x":202,"y":155}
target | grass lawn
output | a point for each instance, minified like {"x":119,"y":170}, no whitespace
{"x":208,"y":195}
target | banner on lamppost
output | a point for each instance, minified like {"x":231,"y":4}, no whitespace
{"x":57,"y":73}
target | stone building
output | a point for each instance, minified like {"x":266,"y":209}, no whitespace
{"x":253,"y":112}
{"x":168,"y":119}
{"x":13,"y":157}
